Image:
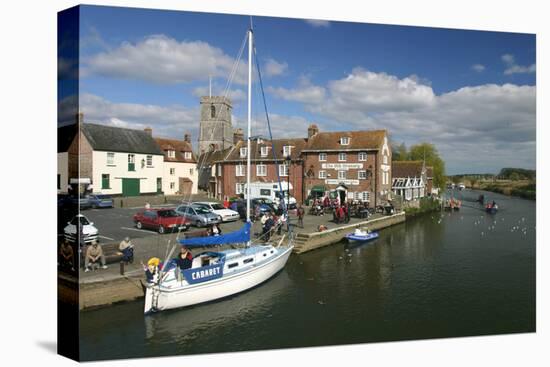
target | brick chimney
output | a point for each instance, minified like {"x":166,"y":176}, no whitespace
{"x":187,"y":138}
{"x":238,"y":135}
{"x":312,"y":130}
{"x":148,"y":130}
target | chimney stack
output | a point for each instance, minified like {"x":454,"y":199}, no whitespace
{"x":148,"y":130}
{"x":187,"y":138}
{"x":238,"y":135}
{"x":312,"y":130}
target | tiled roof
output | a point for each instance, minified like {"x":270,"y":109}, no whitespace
{"x":363,"y":139}
{"x":65,"y":136}
{"x":116,"y":139}
{"x":179,"y":146}
{"x":297,"y":145}
{"x":409,"y":169}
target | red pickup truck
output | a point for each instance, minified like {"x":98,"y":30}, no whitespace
{"x":161,"y":220}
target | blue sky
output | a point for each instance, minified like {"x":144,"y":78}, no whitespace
{"x":471,"y":93}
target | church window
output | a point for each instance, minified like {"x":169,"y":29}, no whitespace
{"x":212,"y":111}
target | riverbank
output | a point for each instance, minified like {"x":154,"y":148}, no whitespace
{"x":524,"y":189}
{"x":425,"y":205}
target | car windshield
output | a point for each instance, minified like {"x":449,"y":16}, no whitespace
{"x":167,"y":213}
{"x":201,"y":210}
{"x":83,"y":220}
{"x":217,"y":206}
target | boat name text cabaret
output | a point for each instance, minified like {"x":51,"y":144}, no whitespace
{"x":205,"y":273}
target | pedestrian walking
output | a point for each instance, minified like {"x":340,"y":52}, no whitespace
{"x":300,"y":212}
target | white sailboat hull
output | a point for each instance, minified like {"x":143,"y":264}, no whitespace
{"x":160,"y":298}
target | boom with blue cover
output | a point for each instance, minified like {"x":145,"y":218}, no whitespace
{"x":239,"y":236}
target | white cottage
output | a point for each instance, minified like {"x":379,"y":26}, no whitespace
{"x":411,"y":180}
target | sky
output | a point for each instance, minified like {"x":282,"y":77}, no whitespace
{"x":470,"y":93}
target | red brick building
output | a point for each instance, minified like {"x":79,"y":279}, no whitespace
{"x":355,"y":164}
{"x":266,"y":166}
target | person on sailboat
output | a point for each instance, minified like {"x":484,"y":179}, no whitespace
{"x":184,"y":259}
{"x":215,"y":230}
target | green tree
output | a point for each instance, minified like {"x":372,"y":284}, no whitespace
{"x":400,"y":153}
{"x":428,"y":151}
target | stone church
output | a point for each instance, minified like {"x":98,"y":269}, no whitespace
{"x":216,"y":131}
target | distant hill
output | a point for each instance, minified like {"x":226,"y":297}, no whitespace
{"x":517,"y":174}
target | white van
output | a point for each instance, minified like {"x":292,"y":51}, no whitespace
{"x":271,"y":190}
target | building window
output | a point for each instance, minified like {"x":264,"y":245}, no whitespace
{"x":342,"y":157}
{"x":286,"y":150}
{"x":171,"y":153}
{"x":385,"y":159}
{"x":172,"y":185}
{"x":322,"y":174}
{"x":159,"y":185}
{"x":243,"y":152}
{"x":131,"y":162}
{"x":261,"y":170}
{"x":322,"y":157}
{"x":212,"y":111}
{"x":239,"y":188}
{"x":362,"y":175}
{"x":149,"y":161}
{"x":172,"y":171}
{"x":362,"y":156}
{"x":341,"y":175}
{"x":110,"y":158}
{"x":264,"y":151}
{"x":188,"y":155}
{"x":191,"y":171}
{"x":283,"y":170}
{"x":365,"y":196}
{"x":344,"y":140}
{"x":219,"y":168}
{"x":105,"y":181}
{"x":239,"y":170}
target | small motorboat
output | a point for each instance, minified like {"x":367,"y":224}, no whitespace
{"x":361,"y":236}
{"x":491,"y":208}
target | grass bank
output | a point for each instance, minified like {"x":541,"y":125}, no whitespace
{"x":427,"y":205}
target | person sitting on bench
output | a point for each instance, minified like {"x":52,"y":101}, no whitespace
{"x":127,"y":249}
{"x":94,"y":255}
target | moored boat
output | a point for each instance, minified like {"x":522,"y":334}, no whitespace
{"x":361,"y":236}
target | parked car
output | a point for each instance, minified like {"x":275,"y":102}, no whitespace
{"x":227,"y":215}
{"x":100,"y":201}
{"x":81,"y":201}
{"x":198,"y":216}
{"x":161,"y":220}
{"x":89,"y":232}
{"x":266,"y":206}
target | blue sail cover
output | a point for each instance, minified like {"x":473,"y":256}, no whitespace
{"x":242,"y":235}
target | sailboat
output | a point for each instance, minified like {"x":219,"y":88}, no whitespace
{"x":217,"y":274}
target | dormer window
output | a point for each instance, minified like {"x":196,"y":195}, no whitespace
{"x":171,"y":153}
{"x":243,"y":152}
{"x":286,"y":150}
{"x":344,"y":140}
{"x":188,"y":155}
{"x":264,"y":151}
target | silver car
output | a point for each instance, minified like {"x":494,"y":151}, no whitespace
{"x":199,"y":216}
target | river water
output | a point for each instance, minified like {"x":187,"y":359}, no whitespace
{"x":441,"y":275}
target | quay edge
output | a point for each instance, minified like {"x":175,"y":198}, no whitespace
{"x":305,"y":242}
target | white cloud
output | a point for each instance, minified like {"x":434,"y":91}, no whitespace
{"x":318,"y":23}
{"x":164,"y":60}
{"x":478,"y":68}
{"x":305,"y":92}
{"x":273,"y":68}
{"x":168,"y":121}
{"x":513,"y":68}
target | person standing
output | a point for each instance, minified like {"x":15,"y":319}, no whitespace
{"x":226,"y":202}
{"x":300,"y":212}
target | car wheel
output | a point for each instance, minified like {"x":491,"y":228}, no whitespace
{"x":161,"y":229}
{"x":199,"y":224}
{"x":139,"y":225}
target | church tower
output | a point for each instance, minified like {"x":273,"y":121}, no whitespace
{"x":216,"y":132}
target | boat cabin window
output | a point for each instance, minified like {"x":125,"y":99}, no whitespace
{"x":231,"y":266}
{"x":249,"y":260}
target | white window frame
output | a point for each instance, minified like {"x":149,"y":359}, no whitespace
{"x":385,"y":159}
{"x":171,"y":153}
{"x":362,"y":157}
{"x":322,"y":157}
{"x":344,"y":155}
{"x":172,"y":171}
{"x":264,"y":151}
{"x":287,"y":150}
{"x":172,"y":185}
{"x":149,"y":160}
{"x":344,"y":140}
{"x":283,"y":170}
{"x":188,"y":155}
{"x":243,"y":152}
{"x":365,"y":196}
{"x":342,"y":175}
{"x":322,"y":175}
{"x":239,"y":188}
{"x":110,"y":158}
{"x":261,"y":170}
{"x":239,"y":170}
{"x":362,"y":173}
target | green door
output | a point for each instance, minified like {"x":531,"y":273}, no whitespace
{"x":130,"y":187}
{"x":159,"y":185}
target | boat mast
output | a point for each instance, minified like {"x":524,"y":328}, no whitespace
{"x":250,"y":45}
